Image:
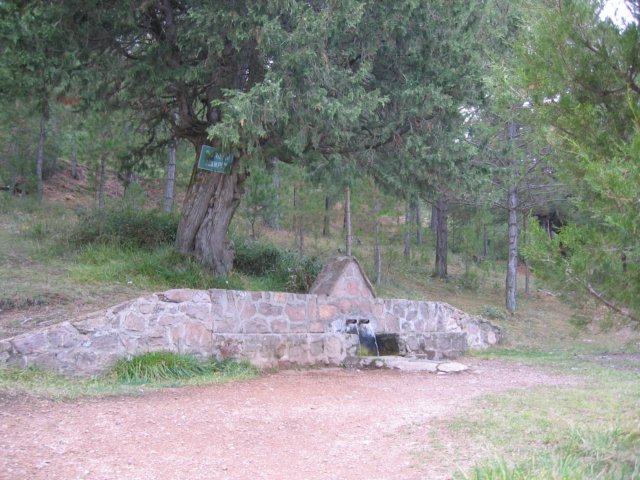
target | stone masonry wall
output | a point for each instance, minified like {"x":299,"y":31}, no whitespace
{"x":267,"y":328}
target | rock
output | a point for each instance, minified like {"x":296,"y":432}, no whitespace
{"x":452,"y":367}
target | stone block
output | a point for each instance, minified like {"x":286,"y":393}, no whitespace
{"x":316,"y":327}
{"x":181,"y":295}
{"x":96,"y":321}
{"x":298,"y":327}
{"x":378,"y":308}
{"x":146,"y":307}
{"x":197,"y":335}
{"x":169,"y":319}
{"x":334,"y":349}
{"x":227,"y":346}
{"x":345,"y":306}
{"x":227,"y":325}
{"x":30,"y":343}
{"x":280,"y":298}
{"x":257,"y":296}
{"x":327,"y":312}
{"x":269,"y":310}
{"x":390,"y":324}
{"x":295,"y":313}
{"x":63,"y":335}
{"x":256,"y":325}
{"x":134,"y":322}
{"x":279,"y":325}
{"x":105,"y":342}
{"x":316,"y":348}
{"x":44,"y":361}
{"x":120,"y":307}
{"x":200,"y":311}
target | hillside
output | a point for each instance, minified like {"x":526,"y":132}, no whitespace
{"x":44,"y":279}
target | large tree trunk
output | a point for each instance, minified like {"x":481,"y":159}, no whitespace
{"x":512,"y":262}
{"x":347,"y":219}
{"x":211,"y":201}
{"x":442,"y":213}
{"x":434,"y":217}
{"x":40,"y":154}
{"x":170,"y":178}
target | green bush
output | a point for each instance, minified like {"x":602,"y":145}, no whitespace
{"x":125,"y":226}
{"x":492,"y":313}
{"x":469,"y":280}
{"x":285,"y":270}
{"x":161,"y":366}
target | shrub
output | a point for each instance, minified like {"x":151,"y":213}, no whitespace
{"x":159,"y":366}
{"x":469,"y":280}
{"x":287,"y":270}
{"x":125,"y":226}
{"x":492,"y":313}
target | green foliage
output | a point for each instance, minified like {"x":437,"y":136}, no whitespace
{"x":260,"y":199}
{"x":287,"y":270}
{"x":469,"y":280}
{"x":587,"y":106}
{"x":493,"y":313}
{"x":163,"y":366}
{"x":152,"y":268}
{"x":124,"y":225}
{"x":31,"y":381}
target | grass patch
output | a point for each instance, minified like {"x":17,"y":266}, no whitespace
{"x":158,"y":268}
{"x":604,"y":455}
{"x":163,"y":366}
{"x":590,"y":430}
{"x":125,"y":225}
{"x":18,"y":382}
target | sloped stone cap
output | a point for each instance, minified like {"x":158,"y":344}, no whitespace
{"x":343,"y":277}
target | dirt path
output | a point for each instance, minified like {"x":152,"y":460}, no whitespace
{"x":319,"y":424}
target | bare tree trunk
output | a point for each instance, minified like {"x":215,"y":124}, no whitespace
{"x":326,"y":221}
{"x":297,"y":207}
{"x":211,"y":200}
{"x":347,"y":219}
{"x":512,"y":262}
{"x":74,"y":158}
{"x":442,"y":212}
{"x":273,"y":221}
{"x":407,"y":231}
{"x":13,"y":160}
{"x":40,"y":154}
{"x":485,"y":241}
{"x":434,"y":217}
{"x":377,"y":254}
{"x":102,"y":180}
{"x":527,"y":273}
{"x":170,"y":178}
{"x":418,"y":223}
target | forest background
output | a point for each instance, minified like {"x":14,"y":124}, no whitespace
{"x":495,"y":131}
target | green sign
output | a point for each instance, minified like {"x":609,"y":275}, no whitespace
{"x":214,"y":161}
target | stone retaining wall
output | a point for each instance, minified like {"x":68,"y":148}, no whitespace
{"x":267,"y":328}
